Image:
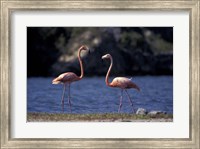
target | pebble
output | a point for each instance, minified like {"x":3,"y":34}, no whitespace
{"x":142,"y":111}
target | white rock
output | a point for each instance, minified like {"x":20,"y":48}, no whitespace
{"x":141,"y":111}
{"x":156,"y":112}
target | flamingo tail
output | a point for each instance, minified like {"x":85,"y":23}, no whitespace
{"x":56,"y":81}
{"x":133,"y":85}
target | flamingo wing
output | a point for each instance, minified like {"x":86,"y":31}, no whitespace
{"x":123,"y":83}
{"x":65,"y":78}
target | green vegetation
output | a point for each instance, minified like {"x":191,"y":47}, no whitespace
{"x":159,"y":45}
{"x":140,"y":50}
{"x":106,"y":117}
{"x":131,"y":39}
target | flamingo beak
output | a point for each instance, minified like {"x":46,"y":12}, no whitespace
{"x":103,"y":57}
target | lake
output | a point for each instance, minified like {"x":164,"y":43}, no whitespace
{"x":91,"y":95}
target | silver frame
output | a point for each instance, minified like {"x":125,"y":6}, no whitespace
{"x":8,"y":7}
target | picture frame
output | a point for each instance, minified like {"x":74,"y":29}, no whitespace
{"x":9,"y":7}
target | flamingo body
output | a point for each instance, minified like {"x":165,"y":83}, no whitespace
{"x":123,"y":83}
{"x":67,"y":77}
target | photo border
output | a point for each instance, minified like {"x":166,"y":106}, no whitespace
{"x":9,"y":7}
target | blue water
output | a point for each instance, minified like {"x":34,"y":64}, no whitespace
{"x":91,"y":95}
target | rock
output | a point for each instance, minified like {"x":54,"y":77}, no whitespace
{"x":153,"y":113}
{"x":141,"y":111}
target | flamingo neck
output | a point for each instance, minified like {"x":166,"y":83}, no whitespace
{"x":108,"y":73}
{"x":81,"y":64}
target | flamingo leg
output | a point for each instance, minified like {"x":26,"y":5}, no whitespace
{"x":120,"y":102}
{"x":131,"y":102}
{"x":69,"y":100}
{"x":63,"y":96}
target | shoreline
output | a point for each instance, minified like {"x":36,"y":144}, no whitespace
{"x":105,"y":117}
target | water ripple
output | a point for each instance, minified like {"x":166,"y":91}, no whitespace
{"x":91,"y":95}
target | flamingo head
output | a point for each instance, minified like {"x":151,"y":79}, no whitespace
{"x":106,"y":56}
{"x":84,"y":47}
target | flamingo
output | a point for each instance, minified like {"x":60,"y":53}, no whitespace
{"x":120,"y":82}
{"x":69,"y":77}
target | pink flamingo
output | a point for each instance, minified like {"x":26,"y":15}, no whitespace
{"x":69,"y":77}
{"x":120,"y":82}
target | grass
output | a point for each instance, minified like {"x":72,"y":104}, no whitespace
{"x":105,"y":117}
